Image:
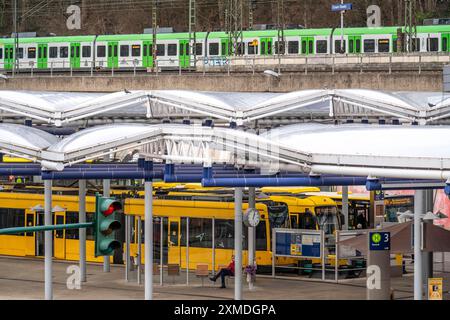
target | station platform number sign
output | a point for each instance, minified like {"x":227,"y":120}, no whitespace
{"x":435,"y":289}
{"x":379,"y":241}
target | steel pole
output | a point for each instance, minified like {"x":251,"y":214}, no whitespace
{"x":187,"y":251}
{"x":106,"y":193}
{"x":148,"y":241}
{"x":48,"y":239}
{"x":238,"y":243}
{"x":82,"y":232}
{"x":251,"y":234}
{"x":418,"y":210}
{"x":213,"y":264}
{"x":345,"y":223}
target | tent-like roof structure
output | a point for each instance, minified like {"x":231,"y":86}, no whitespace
{"x":414,"y":152}
{"x":63,"y":108}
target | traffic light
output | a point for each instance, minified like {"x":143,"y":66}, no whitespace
{"x":106,"y":224}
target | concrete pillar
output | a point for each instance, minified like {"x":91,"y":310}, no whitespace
{"x":48,"y":240}
{"x":251,"y":234}
{"x":419,"y":207}
{"x":148,"y":240}
{"x":82,"y":231}
{"x":345,"y":207}
{"x":106,"y":193}
{"x":378,"y":268}
{"x":238,"y":243}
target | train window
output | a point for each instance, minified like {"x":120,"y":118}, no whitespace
{"x":30,"y":223}
{"x":77,"y":51}
{"x":171,"y":49}
{"x":304,"y":47}
{"x":251,"y":49}
{"x":63,"y":52}
{"x":433,"y":44}
{"x":383,"y":45}
{"x":444,"y":44}
{"x":20,"y":53}
{"x":200,"y":233}
{"x":310,"y":46}
{"x":293,"y":47}
{"x":339,"y":47}
{"x":1,"y":53}
{"x":213,"y":49}
{"x":72,"y":217}
{"x":224,"y":234}
{"x":358,"y":45}
{"x":86,"y":52}
{"x":32,"y":53}
{"x":135,"y":50}
{"x":198,"y":49}
{"x":350,"y":46}
{"x":173,"y":233}
{"x":260,"y":234}
{"x":321,"y":46}
{"x":89,"y":231}
{"x":369,"y":45}
{"x":59,"y":233}
{"x":416,"y":45}
{"x":241,"y":48}
{"x":394,"y":46}
{"x":12,"y":218}
{"x":53,"y":52}
{"x":124,"y":50}
{"x":279,"y":47}
{"x":101,"y":51}
{"x":160,"y":50}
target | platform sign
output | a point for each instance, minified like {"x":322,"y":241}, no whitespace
{"x":341,"y":7}
{"x":379,"y":241}
{"x":434,"y":288}
{"x":297,"y":244}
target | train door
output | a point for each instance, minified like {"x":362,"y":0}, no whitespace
{"x":266,"y":46}
{"x":30,"y":237}
{"x":354,"y":44}
{"x":42,"y":56}
{"x":307,"y":45}
{"x":183,"y":54}
{"x":157,"y":239}
{"x":225,"y":46}
{"x":75,"y":55}
{"x":113,"y":55}
{"x":147,"y":54}
{"x":445,"y":42}
{"x":9,"y":57}
{"x":60,"y":236}
{"x":40,"y":236}
{"x":174,"y":254}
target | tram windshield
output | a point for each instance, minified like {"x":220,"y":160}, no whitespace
{"x":327,"y":219}
{"x":278,"y":215}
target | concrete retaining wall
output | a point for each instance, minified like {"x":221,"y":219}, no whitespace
{"x":407,"y":81}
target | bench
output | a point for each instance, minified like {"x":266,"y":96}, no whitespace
{"x":202,"y":272}
{"x":173,"y":270}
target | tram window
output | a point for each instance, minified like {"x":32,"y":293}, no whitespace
{"x":337,"y":46}
{"x":416,"y":46}
{"x":53,"y":52}
{"x":173,"y":233}
{"x":198,"y":49}
{"x":77,"y":51}
{"x":358,"y":45}
{"x":394,"y":46}
{"x":304,"y":47}
{"x":72,"y":217}
{"x":32,"y":53}
{"x":444,"y":44}
{"x":260,"y":235}
{"x":86,"y":52}
{"x":369,"y":45}
{"x":224,"y":234}
{"x":101,"y":51}
{"x":321,"y":46}
{"x":269,"y":47}
{"x":252,"y":49}
{"x":433,"y":44}
{"x":310,"y":45}
{"x":59,"y":233}
{"x":293,"y":47}
{"x":1,"y":53}
{"x":135,"y":50}
{"x":20,"y":53}
{"x":30,"y":223}
{"x":160,"y":50}
{"x":279,"y":47}
{"x":350,"y":46}
{"x":200,"y":233}
{"x":241,"y":48}
{"x":383,"y":45}
{"x":213,"y":49}
{"x":12,"y":218}
{"x":171,"y":49}
{"x":89,"y":231}
{"x":124,"y":50}
{"x":63,"y":52}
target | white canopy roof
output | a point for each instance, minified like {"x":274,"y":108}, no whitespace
{"x":370,"y":150}
{"x":63,"y":108}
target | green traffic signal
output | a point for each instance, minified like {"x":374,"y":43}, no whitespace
{"x":106,"y":224}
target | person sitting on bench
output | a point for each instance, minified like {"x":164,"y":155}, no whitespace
{"x":228,"y":271}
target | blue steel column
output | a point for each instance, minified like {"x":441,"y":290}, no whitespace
{"x":238,"y":243}
{"x":48,"y":240}
{"x":148,"y":230}
{"x":82,"y":219}
{"x":418,"y":210}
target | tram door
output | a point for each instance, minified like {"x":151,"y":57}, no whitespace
{"x":30,"y":237}
{"x":40,"y":236}
{"x":60,"y":236}
{"x":9,"y":57}
{"x":266,"y":46}
{"x":225,"y":47}
{"x":42,"y":56}
{"x":184,"y":54}
{"x":445,"y":38}
{"x":147,"y":55}
{"x":307,"y":45}
{"x":113,"y":55}
{"x":354,"y":44}
{"x":174,"y":241}
{"x":75,"y":55}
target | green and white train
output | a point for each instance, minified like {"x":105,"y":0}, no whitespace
{"x":135,"y":51}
